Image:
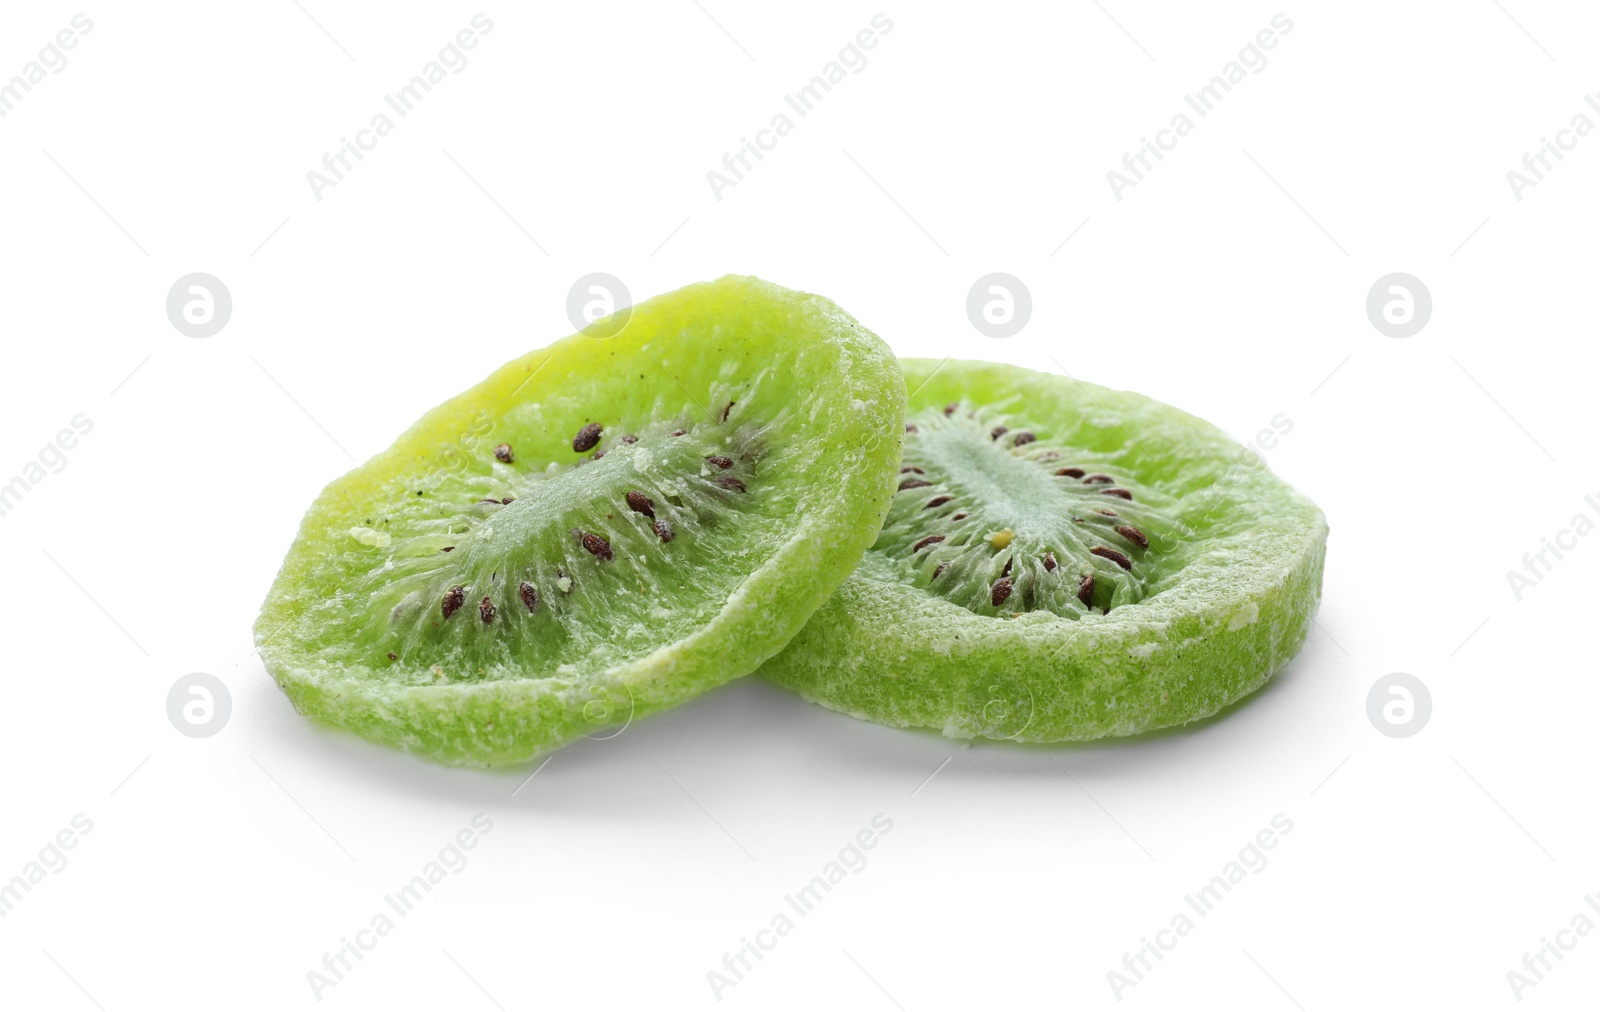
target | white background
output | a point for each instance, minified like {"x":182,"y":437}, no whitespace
{"x":1232,"y":282}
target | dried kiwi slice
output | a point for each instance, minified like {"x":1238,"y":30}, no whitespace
{"x":598,"y":530}
{"x":1062,"y":562}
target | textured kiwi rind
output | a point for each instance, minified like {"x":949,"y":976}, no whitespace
{"x":885,"y":649}
{"x":852,"y":425}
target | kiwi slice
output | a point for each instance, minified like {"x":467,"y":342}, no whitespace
{"x":598,"y":530}
{"x":1062,"y":562}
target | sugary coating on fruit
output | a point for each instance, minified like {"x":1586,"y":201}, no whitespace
{"x":598,"y":530}
{"x":1069,"y":563}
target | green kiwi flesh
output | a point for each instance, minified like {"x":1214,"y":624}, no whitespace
{"x":1062,"y":562}
{"x":599,"y":530}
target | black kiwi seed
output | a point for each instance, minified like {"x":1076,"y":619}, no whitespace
{"x":941,"y":567}
{"x":489,"y":502}
{"x":597,"y":455}
{"x":1086,"y":590}
{"x":486,"y":610}
{"x":530,"y":597}
{"x":1107,"y":513}
{"x":959,"y":516}
{"x":1023,"y":439}
{"x":1113,"y":555}
{"x":393,"y":656}
{"x":1007,"y":571}
{"x":950,"y":409}
{"x":640,"y":503}
{"x":663,"y":531}
{"x":728,"y":481}
{"x":912,"y":428}
{"x":912,"y":470}
{"x":1099,"y":479}
{"x":938,"y":500}
{"x":1070,"y":472}
{"x":454,"y":598}
{"x":586,"y":438}
{"x":597,"y":546}
{"x":932,"y":539}
{"x":675,"y":432}
{"x":998,"y":431}
{"x":1120,"y":493}
{"x":914,"y":483}
{"x":1135,"y":535}
{"x":728,"y":409}
{"x":630,"y":438}
{"x":503,"y":453}
{"x":722,"y":462}
{"x":450,"y":548}
{"x":1049,"y":562}
{"x":1000,"y":591}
